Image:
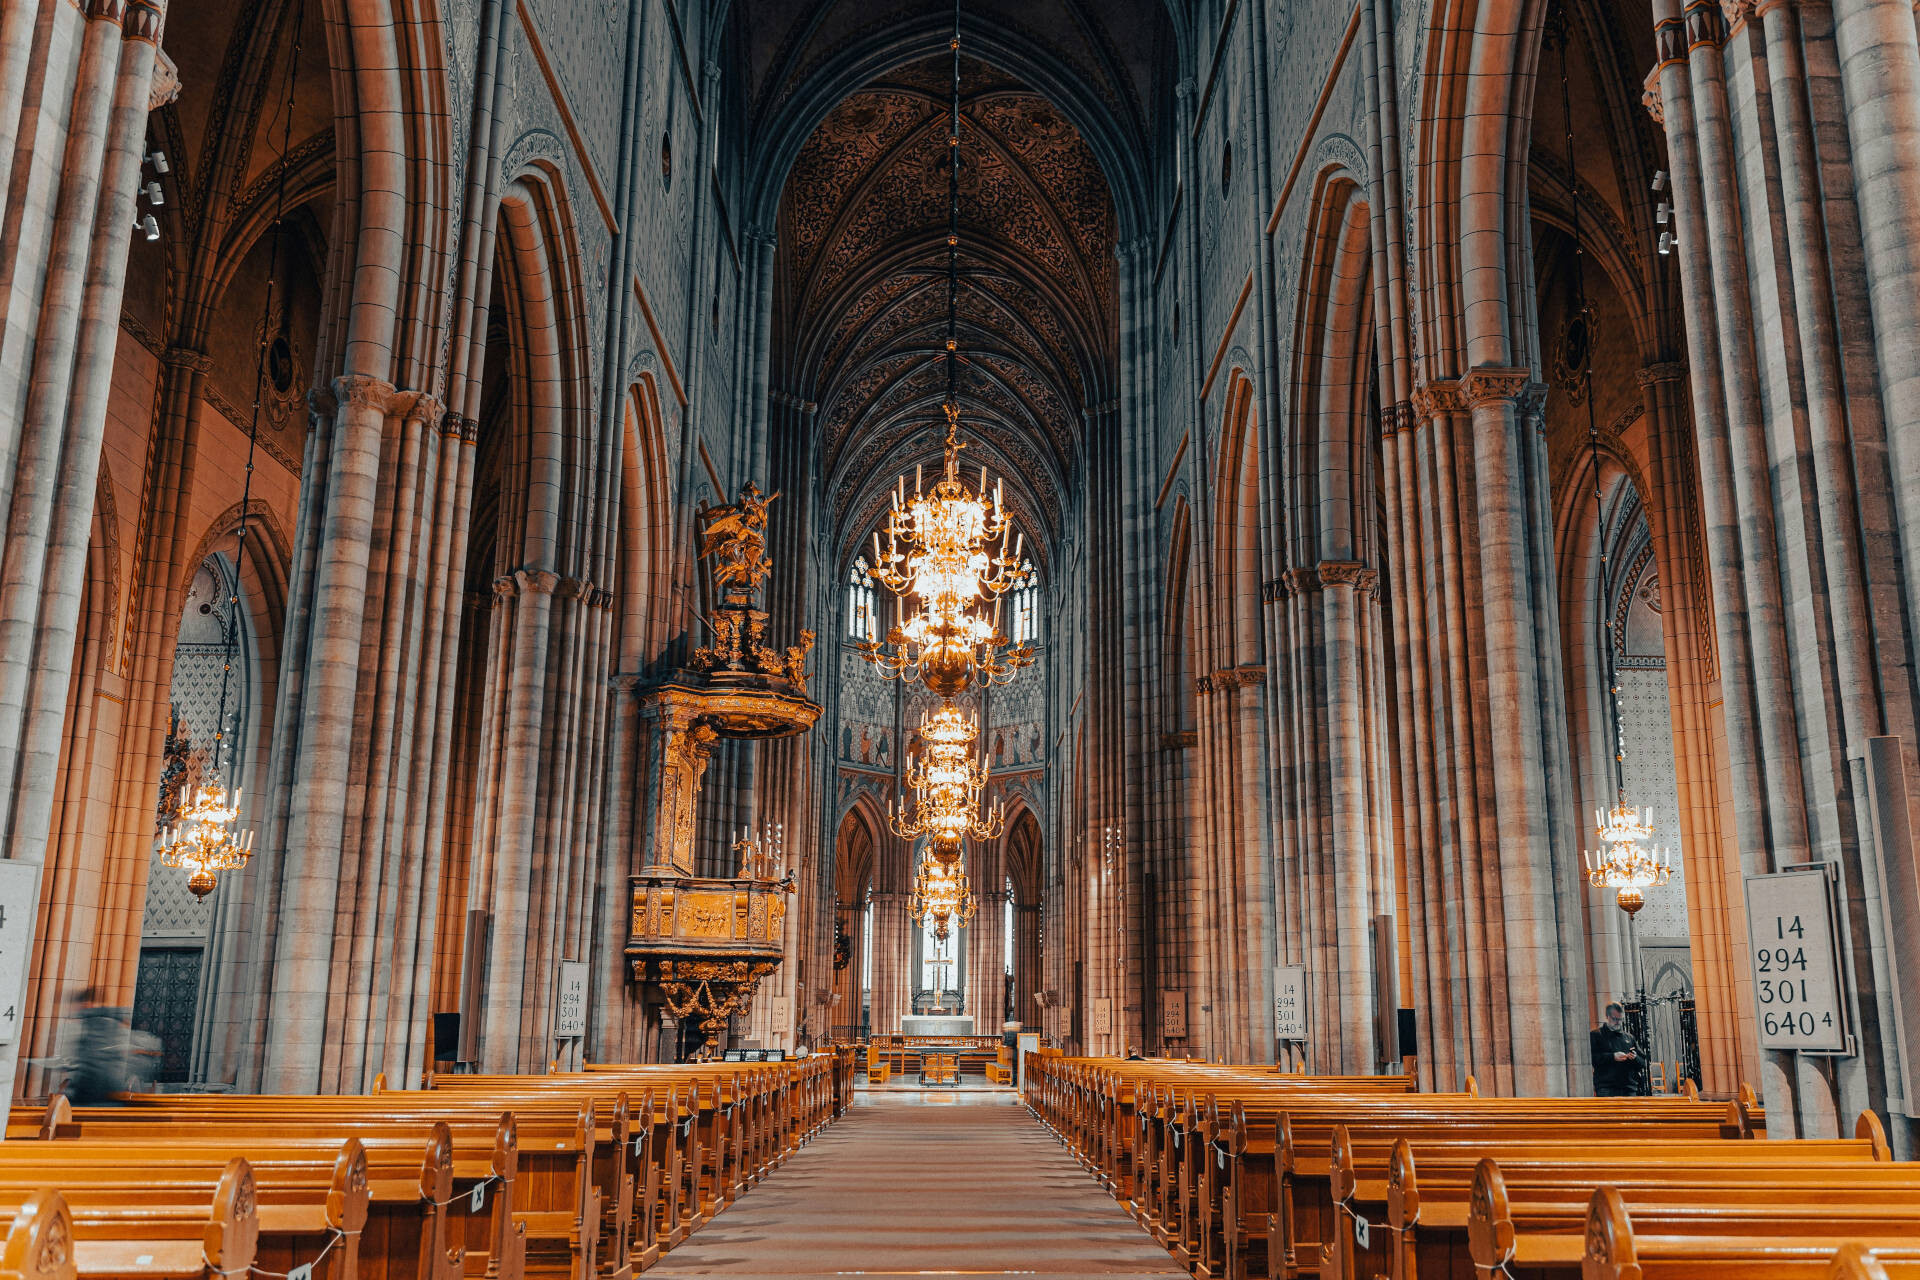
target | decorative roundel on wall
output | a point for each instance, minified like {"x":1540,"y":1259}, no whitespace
{"x":1573,"y":360}
{"x":666,"y":160}
{"x":280,"y":363}
{"x":1226,"y":167}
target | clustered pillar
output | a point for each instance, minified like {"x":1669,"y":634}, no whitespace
{"x":1793,"y":130}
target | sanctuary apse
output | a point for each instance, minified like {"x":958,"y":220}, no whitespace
{"x":1426,"y":424}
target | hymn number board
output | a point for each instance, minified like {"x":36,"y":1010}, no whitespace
{"x":570,"y":1001}
{"x":1793,"y":943}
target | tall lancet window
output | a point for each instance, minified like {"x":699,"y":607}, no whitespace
{"x":1026,"y":607}
{"x":863,"y":622}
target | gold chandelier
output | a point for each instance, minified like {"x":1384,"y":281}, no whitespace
{"x":203,"y":839}
{"x":942,"y":893}
{"x":956,"y":562}
{"x":948,"y":783}
{"x":1624,"y":863}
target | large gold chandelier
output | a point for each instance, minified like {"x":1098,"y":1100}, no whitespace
{"x":948,"y":783}
{"x":942,"y":894}
{"x":956,"y":561}
{"x":203,"y":838}
{"x":1624,"y":863}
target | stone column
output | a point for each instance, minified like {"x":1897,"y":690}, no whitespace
{"x":893,"y":948}
{"x":1535,"y":942}
{"x":1699,"y":740}
{"x":297,"y":1033}
{"x":62,"y":286}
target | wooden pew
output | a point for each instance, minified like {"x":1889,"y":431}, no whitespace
{"x":1759,"y":1235}
{"x":116,"y":1223}
{"x":489,"y":1242}
{"x":1857,"y":1261}
{"x":486,"y":1178}
{"x":38,"y":1241}
{"x":555,"y":1203}
{"x":1301,"y":1218}
{"x":1232,"y":1169}
{"x":383,"y":1209}
{"x":1416,"y":1221}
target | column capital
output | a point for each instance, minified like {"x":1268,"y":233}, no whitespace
{"x":1488,"y":383}
{"x":1650,"y":97}
{"x":358,"y":391}
{"x":523,"y":582}
{"x":1352,"y":573}
{"x":1431,"y":399}
{"x":106,"y":11}
{"x":193,"y":361}
{"x":418,"y":407}
{"x":1664,"y":371}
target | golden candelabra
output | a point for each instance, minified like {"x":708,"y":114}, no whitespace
{"x":1624,"y":863}
{"x":204,"y":840}
{"x":956,"y":563}
{"x":942,"y":893}
{"x":948,"y":784}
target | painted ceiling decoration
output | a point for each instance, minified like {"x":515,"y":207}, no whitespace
{"x":861,"y":294}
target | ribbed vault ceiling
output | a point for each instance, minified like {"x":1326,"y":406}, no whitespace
{"x":862,"y":288}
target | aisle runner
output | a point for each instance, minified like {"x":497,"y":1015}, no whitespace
{"x":925,"y":1184}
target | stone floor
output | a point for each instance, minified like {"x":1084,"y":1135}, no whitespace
{"x":934,"y":1183}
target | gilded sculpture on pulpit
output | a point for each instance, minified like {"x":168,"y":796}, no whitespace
{"x":735,"y":538}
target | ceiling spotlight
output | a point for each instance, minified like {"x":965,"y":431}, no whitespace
{"x":1666,"y":243}
{"x":150,"y":226}
{"x":1661,"y":212}
{"x":1659,"y":179}
{"x":158,"y":159}
{"x":154,"y":195}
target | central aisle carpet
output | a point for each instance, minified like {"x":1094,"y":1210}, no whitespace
{"x":925,"y":1184}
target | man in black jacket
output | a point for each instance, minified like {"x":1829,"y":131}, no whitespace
{"x":1616,"y":1058}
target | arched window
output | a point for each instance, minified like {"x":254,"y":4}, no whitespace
{"x":1026,"y":607}
{"x":863,"y":621}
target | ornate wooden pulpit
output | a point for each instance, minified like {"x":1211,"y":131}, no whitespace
{"x":704,"y":942}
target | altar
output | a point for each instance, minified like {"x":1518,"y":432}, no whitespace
{"x":936,"y":1024}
